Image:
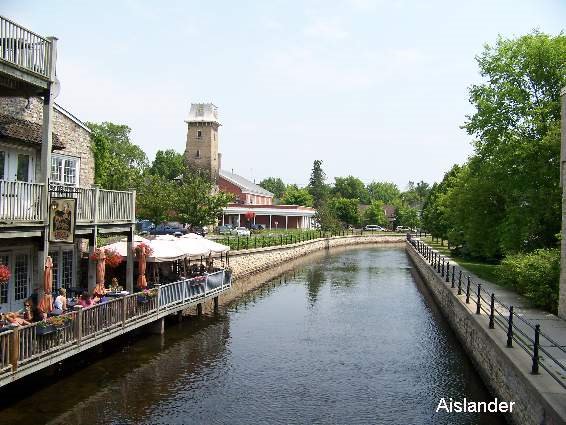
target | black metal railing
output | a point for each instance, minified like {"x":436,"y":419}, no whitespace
{"x":519,"y":331}
{"x":266,"y":239}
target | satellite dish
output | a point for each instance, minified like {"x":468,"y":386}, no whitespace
{"x":55,"y":88}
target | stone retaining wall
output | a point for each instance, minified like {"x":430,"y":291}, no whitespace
{"x":505,"y":371}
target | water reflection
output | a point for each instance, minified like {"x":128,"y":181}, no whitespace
{"x":374,"y":350}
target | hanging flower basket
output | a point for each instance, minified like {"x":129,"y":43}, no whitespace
{"x":113,"y":258}
{"x":4,"y":274}
{"x":99,"y":254}
{"x":143,"y":246}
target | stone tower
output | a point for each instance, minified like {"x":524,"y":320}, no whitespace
{"x":201,"y":152}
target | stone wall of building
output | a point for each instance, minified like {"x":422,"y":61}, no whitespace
{"x":505,"y":371}
{"x":201,"y":153}
{"x":75,"y":137}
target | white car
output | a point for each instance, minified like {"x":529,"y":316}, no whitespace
{"x":241,"y":231}
{"x":374,"y":228}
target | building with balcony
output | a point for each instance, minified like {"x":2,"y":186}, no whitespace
{"x":46,"y":158}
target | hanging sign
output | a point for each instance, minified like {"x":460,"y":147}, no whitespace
{"x":62,"y":217}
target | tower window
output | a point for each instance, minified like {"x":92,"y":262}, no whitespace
{"x":198,"y":153}
{"x":199,"y":134}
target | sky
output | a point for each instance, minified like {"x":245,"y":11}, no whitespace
{"x":375,"y":89}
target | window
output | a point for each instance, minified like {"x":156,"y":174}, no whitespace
{"x":4,"y":288}
{"x":21,"y":277}
{"x":63,"y":267}
{"x":198,"y":153}
{"x":199,"y":134}
{"x":2,"y":165}
{"x":23,"y":168}
{"x":64,"y":170}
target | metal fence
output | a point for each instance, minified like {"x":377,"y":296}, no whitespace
{"x":519,"y":331}
{"x":237,"y":243}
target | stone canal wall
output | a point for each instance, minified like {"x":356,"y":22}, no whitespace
{"x":251,"y":268}
{"x":539,"y":400}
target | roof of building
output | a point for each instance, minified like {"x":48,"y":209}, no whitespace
{"x":73,"y":118}
{"x":25,"y":131}
{"x":203,"y":112}
{"x":244,"y":184}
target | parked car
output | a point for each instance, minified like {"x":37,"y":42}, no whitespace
{"x":241,"y":231}
{"x":144,"y":226}
{"x":404,"y":229}
{"x":257,"y":227}
{"x":203,"y":231}
{"x":374,"y":228}
{"x":225,"y":229}
{"x":170,"y":228}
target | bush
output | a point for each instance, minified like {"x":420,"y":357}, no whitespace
{"x":536,"y":275}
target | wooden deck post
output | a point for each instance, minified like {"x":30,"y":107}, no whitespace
{"x":215,"y":304}
{"x":199,"y":309}
{"x":79,"y":326}
{"x":15,"y":349}
{"x":130,"y":261}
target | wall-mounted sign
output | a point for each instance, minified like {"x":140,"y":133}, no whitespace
{"x":62,"y":217}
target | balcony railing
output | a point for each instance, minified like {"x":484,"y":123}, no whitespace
{"x":22,"y":203}
{"x":25,"y":49}
{"x":27,"y":349}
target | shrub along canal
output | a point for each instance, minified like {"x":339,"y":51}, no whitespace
{"x":352,"y":337}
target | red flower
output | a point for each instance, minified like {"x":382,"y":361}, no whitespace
{"x":98,"y":254}
{"x":113,"y":258}
{"x":143,"y":246}
{"x":4,"y":274}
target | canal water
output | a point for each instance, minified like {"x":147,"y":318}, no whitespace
{"x":349,"y":337}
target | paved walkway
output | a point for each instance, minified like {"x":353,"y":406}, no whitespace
{"x":551,"y":325}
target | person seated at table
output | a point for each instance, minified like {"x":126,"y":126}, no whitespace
{"x":32,"y":312}
{"x":14,"y":319}
{"x":85,"y":300}
{"x":202,"y":269}
{"x":60,"y":303}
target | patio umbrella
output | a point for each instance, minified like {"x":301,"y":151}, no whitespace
{"x":142,"y":261}
{"x":46,"y":303}
{"x":100,"y":271}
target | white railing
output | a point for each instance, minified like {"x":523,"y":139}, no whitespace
{"x":25,"y":49}
{"x":21,"y":201}
{"x":115,"y":205}
{"x":33,"y":345}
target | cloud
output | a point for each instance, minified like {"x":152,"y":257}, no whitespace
{"x":326,"y":29}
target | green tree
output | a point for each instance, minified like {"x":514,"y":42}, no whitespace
{"x":350,"y":188}
{"x":326,"y":218}
{"x":295,"y":196}
{"x":155,"y":198}
{"x":275,"y":185}
{"x":168,"y":164}
{"x":517,"y":146}
{"x":375,"y":214}
{"x":386,"y":192}
{"x":416,"y":194}
{"x":196,"y":201}
{"x":317,"y":186}
{"x":118,"y":163}
{"x":346,"y":210}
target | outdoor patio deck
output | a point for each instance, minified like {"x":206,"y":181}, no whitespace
{"x":28,"y":349}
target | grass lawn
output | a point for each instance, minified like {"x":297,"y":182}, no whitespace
{"x":483,"y":270}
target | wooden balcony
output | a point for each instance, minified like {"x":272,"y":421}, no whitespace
{"x":26,"y":59}
{"x":28,"y":349}
{"x":23,"y":204}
